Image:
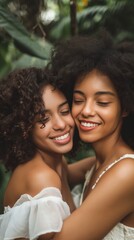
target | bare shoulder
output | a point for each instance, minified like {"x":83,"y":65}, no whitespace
{"x":124,"y":169}
{"x":31,"y":179}
{"x":119,"y":179}
{"x":42,"y":177}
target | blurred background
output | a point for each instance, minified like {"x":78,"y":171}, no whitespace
{"x":30,"y":28}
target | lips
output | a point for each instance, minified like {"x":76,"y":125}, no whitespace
{"x":90,"y":125}
{"x":86,"y":125}
{"x":62,"y":139}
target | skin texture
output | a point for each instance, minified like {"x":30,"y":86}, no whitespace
{"x":53,"y":137}
{"x":97,"y":113}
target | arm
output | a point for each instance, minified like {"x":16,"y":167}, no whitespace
{"x":77,"y":170}
{"x":47,"y":236}
{"x":106,"y":205}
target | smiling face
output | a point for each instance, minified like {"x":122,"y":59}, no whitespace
{"x":96,"y":108}
{"x":54,"y":133}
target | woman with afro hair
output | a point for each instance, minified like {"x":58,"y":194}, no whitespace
{"x":98,"y":76}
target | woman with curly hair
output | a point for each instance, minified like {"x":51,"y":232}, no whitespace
{"x":98,"y":75}
{"x":36,"y":129}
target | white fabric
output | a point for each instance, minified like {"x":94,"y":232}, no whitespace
{"x":120,"y":231}
{"x":76,"y":194}
{"x":31,"y":217}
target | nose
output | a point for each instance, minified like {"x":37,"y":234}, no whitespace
{"x":58,"y":123}
{"x":88,"y":109}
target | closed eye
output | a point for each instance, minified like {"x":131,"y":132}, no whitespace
{"x":104,"y":103}
{"x":77,"y":101}
{"x":65,"y":112}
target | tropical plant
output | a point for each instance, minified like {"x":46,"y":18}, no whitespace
{"x":30,"y":28}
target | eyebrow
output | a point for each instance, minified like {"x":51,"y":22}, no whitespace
{"x":105,"y":92}
{"x":61,"y":105}
{"x":97,"y":93}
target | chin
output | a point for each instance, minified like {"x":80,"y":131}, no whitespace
{"x":86,"y":139}
{"x":66,"y":149}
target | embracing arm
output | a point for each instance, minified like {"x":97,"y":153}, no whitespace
{"x":76,"y":171}
{"x":106,"y":205}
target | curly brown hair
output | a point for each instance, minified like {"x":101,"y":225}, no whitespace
{"x":20,"y":102}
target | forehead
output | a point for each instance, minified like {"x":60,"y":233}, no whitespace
{"x":94,"y":81}
{"x":52,"y":96}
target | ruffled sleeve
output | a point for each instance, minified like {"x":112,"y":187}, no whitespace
{"x":31,"y":217}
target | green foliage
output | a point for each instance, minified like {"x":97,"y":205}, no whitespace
{"x":24,"y":41}
{"x":36,"y":50}
{"x":33,"y":38}
{"x":84,"y":151}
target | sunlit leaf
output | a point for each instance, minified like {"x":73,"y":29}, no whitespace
{"x":26,"y":43}
{"x":28,"y":61}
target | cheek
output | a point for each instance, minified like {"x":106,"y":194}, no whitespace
{"x":39,"y":133}
{"x":71,"y":121}
{"x":112,"y":116}
{"x":75,"y":112}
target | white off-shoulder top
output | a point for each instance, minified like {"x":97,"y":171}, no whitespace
{"x":120,"y":231}
{"x":31,"y":217}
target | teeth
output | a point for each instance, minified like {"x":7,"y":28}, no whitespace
{"x":62,"y":137}
{"x":88,"y":124}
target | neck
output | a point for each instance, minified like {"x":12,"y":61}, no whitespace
{"x":53,"y":160}
{"x":107,"y":151}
